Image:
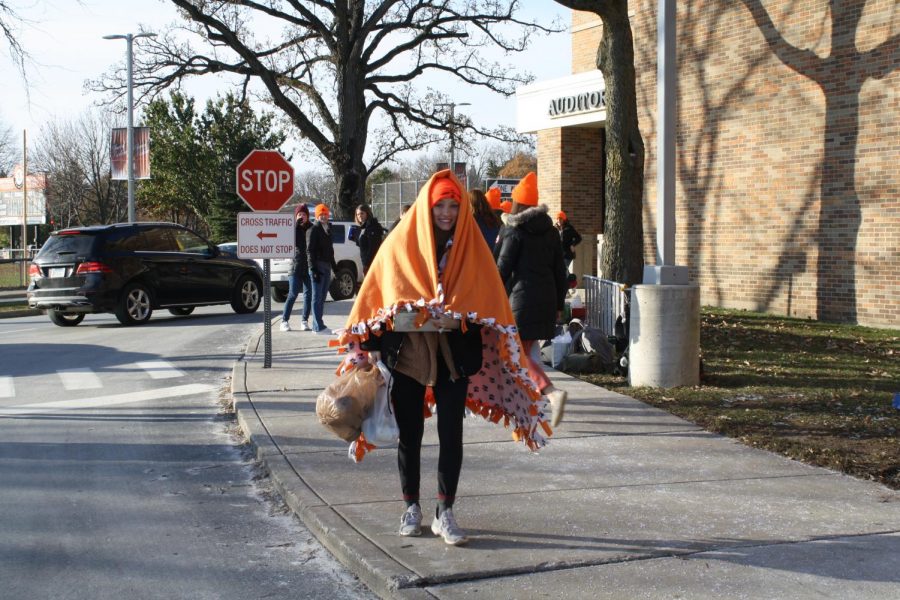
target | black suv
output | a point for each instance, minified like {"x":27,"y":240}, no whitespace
{"x":132,"y":268}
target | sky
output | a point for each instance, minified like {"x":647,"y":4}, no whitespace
{"x":64,"y":39}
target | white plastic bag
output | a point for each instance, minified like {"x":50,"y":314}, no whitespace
{"x":562,"y":346}
{"x":380,"y":427}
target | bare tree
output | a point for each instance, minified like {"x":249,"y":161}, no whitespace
{"x":488,"y":158}
{"x":622,"y":258}
{"x":9,"y":19}
{"x":75,"y":155}
{"x":8,"y":149}
{"x":339,"y":69}
{"x":315,"y":186}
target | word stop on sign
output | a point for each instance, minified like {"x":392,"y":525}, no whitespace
{"x":264,"y":180}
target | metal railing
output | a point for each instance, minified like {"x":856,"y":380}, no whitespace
{"x":604,"y":301}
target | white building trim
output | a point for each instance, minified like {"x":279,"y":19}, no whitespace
{"x":572,"y":101}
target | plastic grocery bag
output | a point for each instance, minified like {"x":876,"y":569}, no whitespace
{"x":380,"y":426}
{"x":562,"y":346}
{"x":343,"y":405}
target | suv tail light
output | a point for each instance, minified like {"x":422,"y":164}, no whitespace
{"x":34,"y":271}
{"x":92,"y":267}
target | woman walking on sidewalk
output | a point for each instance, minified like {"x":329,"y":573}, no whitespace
{"x":298,"y":278}
{"x":531,"y":265}
{"x":320,"y":254}
{"x":369,"y":237}
{"x":458,"y":349}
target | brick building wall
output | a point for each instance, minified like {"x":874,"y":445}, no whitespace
{"x":572,"y":180}
{"x":788,"y":190}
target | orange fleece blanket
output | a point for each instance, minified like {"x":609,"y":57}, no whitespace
{"x":404,"y":277}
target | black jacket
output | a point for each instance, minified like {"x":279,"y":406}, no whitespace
{"x":569,"y":237}
{"x":369,"y":238}
{"x":300,"y":261}
{"x":532,"y":268}
{"x":466,"y":348}
{"x":319,"y":247}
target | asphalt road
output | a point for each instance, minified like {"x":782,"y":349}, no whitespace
{"x":120,"y":476}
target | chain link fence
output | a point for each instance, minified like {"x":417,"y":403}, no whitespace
{"x":388,"y":199}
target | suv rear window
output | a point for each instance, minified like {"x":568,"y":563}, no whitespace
{"x":74,"y":243}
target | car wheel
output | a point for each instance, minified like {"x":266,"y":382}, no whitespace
{"x":246,"y":295}
{"x":134,"y":305}
{"x":279,"y":294}
{"x":65,"y":319}
{"x":181,"y":311}
{"x":343,"y":285}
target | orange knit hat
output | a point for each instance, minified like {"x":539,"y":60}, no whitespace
{"x":493,"y":197}
{"x":506,"y":206}
{"x":562,"y":216}
{"x":526,"y":191}
{"x":443,"y":187}
{"x":322,"y":210}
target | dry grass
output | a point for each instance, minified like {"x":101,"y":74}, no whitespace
{"x":816,"y":392}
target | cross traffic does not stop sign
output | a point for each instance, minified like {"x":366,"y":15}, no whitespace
{"x":265,"y":180}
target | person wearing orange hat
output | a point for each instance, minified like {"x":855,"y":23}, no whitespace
{"x":484,"y":216}
{"x":569,"y":237}
{"x":494,"y":197}
{"x":441,"y":323}
{"x":531,"y":265}
{"x":320,"y":253}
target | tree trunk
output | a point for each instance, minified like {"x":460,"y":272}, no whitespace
{"x":622,"y":258}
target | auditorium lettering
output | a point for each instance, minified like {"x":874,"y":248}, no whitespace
{"x":586,"y":102}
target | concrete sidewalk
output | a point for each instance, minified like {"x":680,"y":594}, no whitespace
{"x":626,"y":501}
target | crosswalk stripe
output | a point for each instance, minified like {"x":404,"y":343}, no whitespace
{"x":7,"y":387}
{"x":79,"y":379}
{"x":160,"y":369}
{"x":157,"y":394}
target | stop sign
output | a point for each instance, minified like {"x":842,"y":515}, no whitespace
{"x":265,"y":180}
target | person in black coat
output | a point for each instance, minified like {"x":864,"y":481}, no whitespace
{"x":298,"y":278}
{"x":531,"y":266}
{"x":370,"y":235}
{"x":320,"y":255}
{"x":569,"y":237}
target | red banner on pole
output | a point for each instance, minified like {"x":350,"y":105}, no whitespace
{"x":118,"y":153}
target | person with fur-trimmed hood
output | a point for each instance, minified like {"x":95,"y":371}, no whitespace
{"x":531,"y":266}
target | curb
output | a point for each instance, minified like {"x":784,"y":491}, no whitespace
{"x":381,"y":573}
{"x":25,"y":312}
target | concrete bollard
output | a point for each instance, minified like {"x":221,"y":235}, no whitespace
{"x":664,"y":336}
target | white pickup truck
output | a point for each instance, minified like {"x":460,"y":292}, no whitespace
{"x":345,"y":280}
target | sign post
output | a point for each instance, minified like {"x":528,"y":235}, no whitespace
{"x":265,"y":182}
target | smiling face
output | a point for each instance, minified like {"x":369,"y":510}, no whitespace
{"x":361,"y":216}
{"x":444,"y":214}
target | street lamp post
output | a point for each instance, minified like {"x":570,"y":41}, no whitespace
{"x":453,"y":106}
{"x":129,"y":144}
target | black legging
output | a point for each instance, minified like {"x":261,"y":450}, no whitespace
{"x":409,"y":400}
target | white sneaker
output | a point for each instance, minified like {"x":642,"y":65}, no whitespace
{"x":446,"y":527}
{"x":325,"y":331}
{"x":285,"y":326}
{"x":411,"y":521}
{"x":304,"y":326}
{"x":558,"y":405}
